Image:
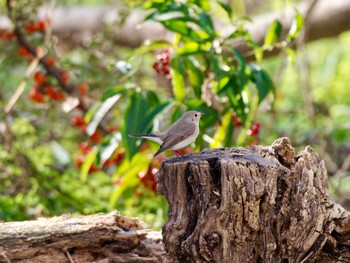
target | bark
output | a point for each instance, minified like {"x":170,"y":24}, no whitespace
{"x":327,"y":19}
{"x":95,"y":238}
{"x":265,"y":204}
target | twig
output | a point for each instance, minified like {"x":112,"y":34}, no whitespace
{"x":31,"y":68}
{"x":69,"y":257}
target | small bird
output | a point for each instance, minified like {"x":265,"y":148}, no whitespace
{"x":182,"y":133}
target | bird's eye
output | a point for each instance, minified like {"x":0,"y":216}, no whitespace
{"x":195,"y":115}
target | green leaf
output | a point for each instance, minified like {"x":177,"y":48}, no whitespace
{"x":214,"y":64}
{"x":262,"y":80}
{"x":152,"y":113}
{"x":178,"y":81}
{"x":178,"y":26}
{"x":206,"y":24}
{"x":195,"y":75}
{"x":146,"y":48}
{"x":101,"y":112}
{"x":273,"y":33}
{"x":107,"y":148}
{"x":227,"y":8}
{"x":133,"y":124}
{"x":296,"y":27}
{"x":116,"y":90}
{"x":152,"y":98}
{"x":189,"y":48}
{"x":89,"y":160}
{"x":205,"y":4}
{"x":160,"y":17}
{"x":239,"y":57}
{"x":242,"y":76}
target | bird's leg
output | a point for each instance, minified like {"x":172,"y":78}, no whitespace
{"x":177,"y":153}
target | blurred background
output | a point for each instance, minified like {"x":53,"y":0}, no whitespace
{"x":77,"y":76}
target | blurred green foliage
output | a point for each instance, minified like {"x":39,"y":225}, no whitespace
{"x":197,"y":70}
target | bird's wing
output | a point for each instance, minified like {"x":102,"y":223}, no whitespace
{"x":174,"y":136}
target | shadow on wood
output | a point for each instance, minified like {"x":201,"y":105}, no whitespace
{"x":265,"y":204}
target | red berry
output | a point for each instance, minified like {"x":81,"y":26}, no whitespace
{"x":254,"y":130}
{"x":58,"y":95}
{"x":36,"y":95}
{"x":40,"y":25}
{"x":112,"y":129}
{"x":50,"y":61}
{"x":8,"y":36}
{"x":84,"y":147}
{"x":65,"y":76}
{"x":156,"y":67}
{"x":23,"y":52}
{"x":78,"y":121}
{"x":236,"y":120}
{"x":31,"y":28}
{"x":107,"y":163}
{"x":79,"y":161}
{"x":83,"y":89}
{"x":49,"y":90}
{"x":83,"y":129}
{"x":166,"y":69}
{"x":39,"y":77}
{"x":96,"y":136}
{"x":119,"y":155}
{"x":93,"y":168}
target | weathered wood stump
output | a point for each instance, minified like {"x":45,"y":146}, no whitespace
{"x":265,"y":204}
{"x":100,"y":238}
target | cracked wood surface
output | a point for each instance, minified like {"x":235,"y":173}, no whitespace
{"x":264,"y":204}
{"x":95,"y":238}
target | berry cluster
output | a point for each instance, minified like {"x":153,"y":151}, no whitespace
{"x":6,"y":35}
{"x":254,"y":130}
{"x":79,"y":122}
{"x":85,"y":148}
{"x":237,"y":121}
{"x":38,"y":26}
{"x":42,"y":88}
{"x":148,"y":178}
{"x":161,"y":66}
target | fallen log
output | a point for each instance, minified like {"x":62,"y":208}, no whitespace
{"x":95,"y":238}
{"x":265,"y":204}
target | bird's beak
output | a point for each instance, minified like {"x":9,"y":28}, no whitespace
{"x":202,"y":114}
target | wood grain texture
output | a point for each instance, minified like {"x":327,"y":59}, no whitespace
{"x":94,"y":238}
{"x":265,"y":204}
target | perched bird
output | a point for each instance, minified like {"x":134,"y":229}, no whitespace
{"x":182,"y":133}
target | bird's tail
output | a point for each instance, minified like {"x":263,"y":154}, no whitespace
{"x":146,"y":136}
{"x":152,"y":137}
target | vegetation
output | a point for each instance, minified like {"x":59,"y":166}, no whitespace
{"x":64,"y":144}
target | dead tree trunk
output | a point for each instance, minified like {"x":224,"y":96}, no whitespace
{"x":100,"y":238}
{"x":266,"y":204}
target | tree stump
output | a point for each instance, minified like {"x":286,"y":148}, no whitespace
{"x":263,"y":204}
